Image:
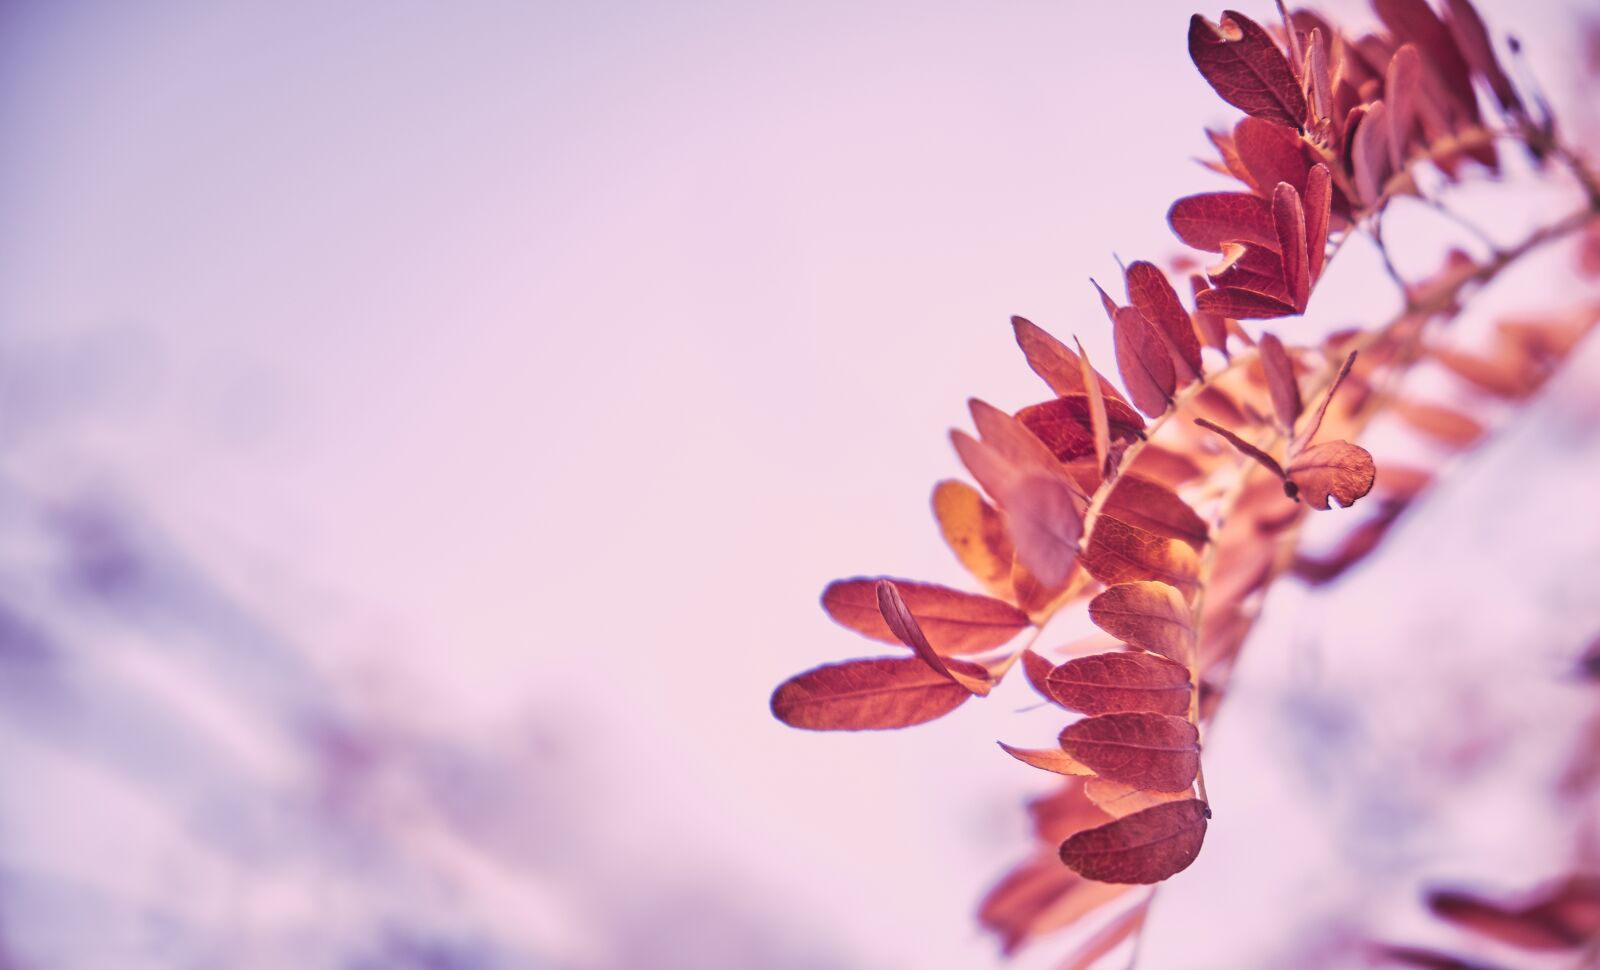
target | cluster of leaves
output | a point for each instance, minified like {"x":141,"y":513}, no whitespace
{"x":1173,"y":504}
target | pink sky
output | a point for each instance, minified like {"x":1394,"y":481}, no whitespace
{"x":537,"y":364}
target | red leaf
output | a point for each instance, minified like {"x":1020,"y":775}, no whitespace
{"x":1271,"y":153}
{"x":1151,"y":291}
{"x":955,"y":622}
{"x":1240,"y":304}
{"x":1415,"y":21}
{"x":1156,"y":751}
{"x":1122,"y":553}
{"x":1208,"y":220}
{"x":1064,"y":424}
{"x":1369,"y":154}
{"x":1143,"y":361}
{"x":1281,"y":383}
{"x":1247,"y":69}
{"x":1112,"y":683}
{"x":905,"y":628}
{"x":1319,"y":212}
{"x":1156,"y":509}
{"x":1147,"y":615}
{"x":1253,"y":268}
{"x":873,"y":694}
{"x":1559,"y":917}
{"x":1051,"y":359}
{"x":1472,"y":37}
{"x":1291,"y":222}
{"x":1335,"y":468}
{"x":1145,"y":847}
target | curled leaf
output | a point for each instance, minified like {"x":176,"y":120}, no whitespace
{"x":1333,"y":469}
{"x":1144,"y":847}
{"x":1209,"y":220}
{"x":905,"y":628}
{"x":954,"y":621}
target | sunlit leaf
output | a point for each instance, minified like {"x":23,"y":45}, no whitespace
{"x":1155,"y":508}
{"x":1211,"y":219}
{"x":1245,"y":67}
{"x":977,"y":535}
{"x":1120,"y":553}
{"x":1049,"y":759}
{"x":1117,"y":799}
{"x":1336,"y":469}
{"x":1148,"y":615}
{"x":954,"y":621}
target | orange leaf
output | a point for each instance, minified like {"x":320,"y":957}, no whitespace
{"x":955,"y":622}
{"x":976,"y":534}
{"x":1114,"y":683}
{"x":904,"y":626}
{"x":1335,"y":468}
{"x":872,"y":694}
{"x":1445,"y":424}
{"x":1049,"y":759}
{"x":1157,"y":509}
{"x":1108,"y":937}
{"x":1156,"y":751}
{"x":1145,"y":847}
{"x":1150,"y":616}
{"x":1116,"y":799}
{"x":1122,"y":553}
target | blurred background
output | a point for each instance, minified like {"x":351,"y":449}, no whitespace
{"x":425,"y":430}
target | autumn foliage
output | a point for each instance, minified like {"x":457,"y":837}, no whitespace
{"x":1168,"y":502}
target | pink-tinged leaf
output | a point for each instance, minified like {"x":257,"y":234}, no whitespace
{"x":1147,"y":615}
{"x":1156,"y":509}
{"x":1244,"y":66}
{"x":1271,"y":154}
{"x":1039,"y":897}
{"x":1065,"y":424}
{"x":1243,"y":447}
{"x":1561,"y":916}
{"x":1037,"y":669}
{"x":1318,"y":205}
{"x":1472,"y":37}
{"x":1117,"y":800}
{"x":1151,"y":291}
{"x":1054,"y":362}
{"x":1098,"y":423}
{"x":1415,"y":22}
{"x":1213,"y":329}
{"x":1281,"y":383}
{"x":1156,"y":751}
{"x":1336,"y":469}
{"x":955,"y":622}
{"x":1319,"y":59}
{"x":1043,"y":518}
{"x":1401,"y":90}
{"x":1114,"y":683}
{"x":1210,"y":219}
{"x":1444,"y":424}
{"x":1144,"y":847}
{"x":904,"y":626}
{"x":1143,"y":361}
{"x":1048,"y":759}
{"x":1008,"y":436}
{"x":1108,"y":937}
{"x":869,"y":695}
{"x":1253,"y":268}
{"x":1121,"y":553}
{"x":1370,"y":154}
{"x":1291,"y":222}
{"x":1230,"y":301}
